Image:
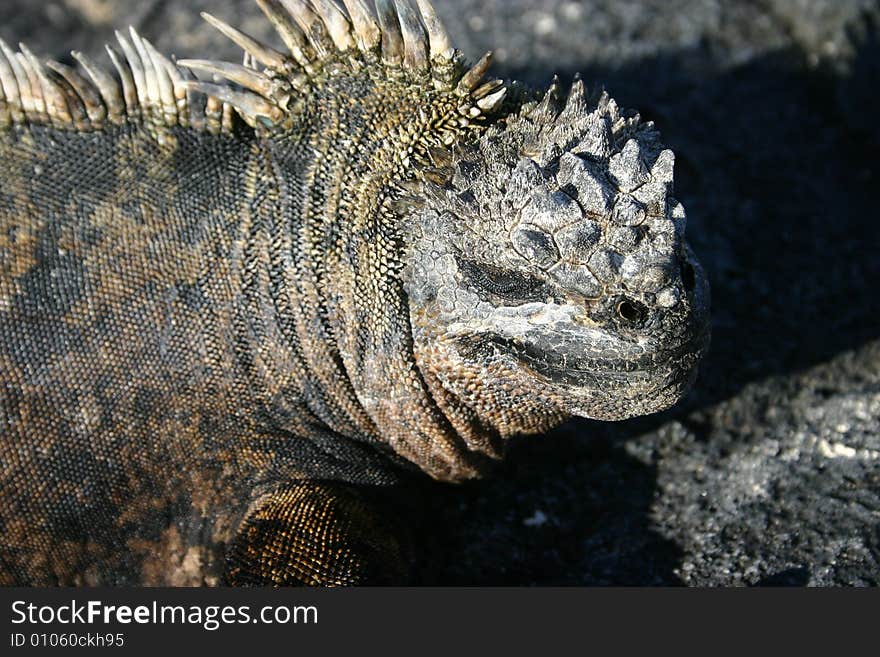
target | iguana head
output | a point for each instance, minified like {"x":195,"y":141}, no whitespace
{"x":550,"y":275}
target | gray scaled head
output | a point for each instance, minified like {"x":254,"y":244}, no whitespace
{"x":550,"y":275}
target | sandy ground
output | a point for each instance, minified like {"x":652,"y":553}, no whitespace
{"x":770,"y":472}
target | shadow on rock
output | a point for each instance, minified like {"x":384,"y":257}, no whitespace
{"x":573,"y":512}
{"x":798,"y":576}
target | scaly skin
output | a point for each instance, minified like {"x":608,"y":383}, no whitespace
{"x":233,"y":317}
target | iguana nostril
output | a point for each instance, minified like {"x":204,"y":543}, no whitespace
{"x":631,"y":311}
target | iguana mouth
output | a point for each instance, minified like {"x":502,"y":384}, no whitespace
{"x":572,"y":369}
{"x":613,"y":373}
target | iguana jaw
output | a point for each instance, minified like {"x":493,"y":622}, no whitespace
{"x":589,"y":368}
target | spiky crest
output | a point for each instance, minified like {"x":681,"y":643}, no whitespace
{"x":407,"y":41}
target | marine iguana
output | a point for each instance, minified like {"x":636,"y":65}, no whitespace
{"x":235,"y":308}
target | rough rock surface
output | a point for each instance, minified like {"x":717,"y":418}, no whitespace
{"x":770,"y":472}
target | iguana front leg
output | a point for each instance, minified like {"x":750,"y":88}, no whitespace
{"x":318,"y":534}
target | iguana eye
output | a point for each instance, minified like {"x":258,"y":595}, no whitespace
{"x":507,"y":284}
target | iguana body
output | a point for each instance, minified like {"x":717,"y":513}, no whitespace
{"x":231,"y":313}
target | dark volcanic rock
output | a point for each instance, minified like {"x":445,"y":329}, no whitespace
{"x":778,"y":484}
{"x":770,"y":472}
